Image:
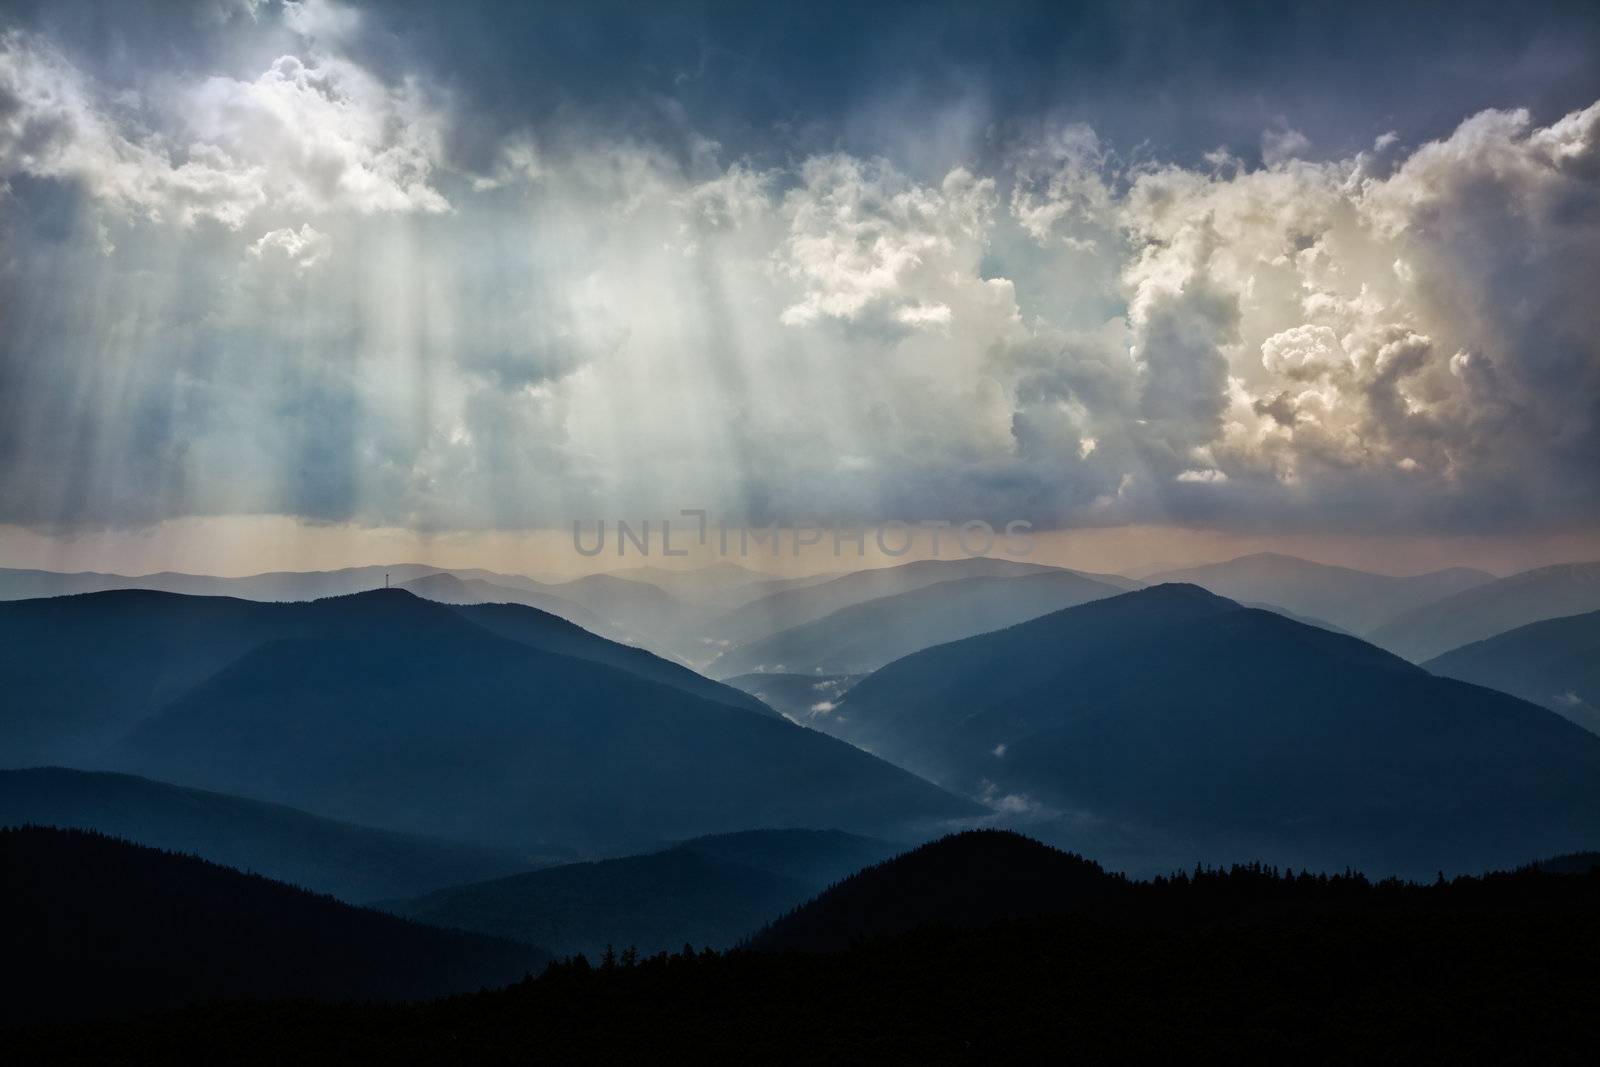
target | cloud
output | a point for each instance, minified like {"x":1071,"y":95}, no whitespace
{"x":304,"y":248}
{"x":305,"y":137}
{"x":865,"y":242}
{"x":526,"y":318}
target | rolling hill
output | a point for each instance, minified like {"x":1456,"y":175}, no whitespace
{"x":1484,"y":611}
{"x":1357,"y":601}
{"x":92,"y":927}
{"x":710,"y":892}
{"x":353,"y":863}
{"x":1555,"y":663}
{"x":863,"y":637}
{"x":969,"y":880}
{"x":1180,"y":712}
{"x":403,"y":714}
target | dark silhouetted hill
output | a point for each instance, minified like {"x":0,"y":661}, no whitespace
{"x":709,"y":892}
{"x":1555,"y":663}
{"x":1228,"y":967}
{"x":354,"y":863}
{"x":1179,"y":712}
{"x":94,"y":927}
{"x":968,"y":880}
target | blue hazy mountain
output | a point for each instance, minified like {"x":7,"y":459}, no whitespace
{"x":1181,"y":712}
{"x":355,"y":863}
{"x":709,"y":892}
{"x":551,"y":634}
{"x":1350,"y":599}
{"x":393,"y":711}
{"x":860,"y":638}
{"x":91,"y":926}
{"x":1494,"y":608}
{"x":796,"y":606}
{"x":1555,"y":663}
{"x":81,"y":671}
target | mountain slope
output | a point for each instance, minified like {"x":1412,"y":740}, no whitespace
{"x":793,"y":607}
{"x":354,"y":863}
{"x":1178,"y":711}
{"x":863,"y":637}
{"x":972,"y":880}
{"x":537,"y":629}
{"x":1354,"y":600}
{"x":81,"y":671}
{"x":450,"y":589}
{"x":103,"y":927}
{"x":796,"y":696}
{"x":410,"y":717}
{"x":709,"y":892}
{"x":1482,"y":612}
{"x":1555,"y":663}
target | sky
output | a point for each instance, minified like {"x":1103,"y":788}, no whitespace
{"x":325,"y":283}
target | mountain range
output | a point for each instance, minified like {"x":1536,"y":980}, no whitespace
{"x":1353,"y":600}
{"x":860,"y":638}
{"x":388,"y":710}
{"x":1184,"y":714}
{"x":354,"y":863}
{"x":1492,"y":608}
{"x":1554,"y":662}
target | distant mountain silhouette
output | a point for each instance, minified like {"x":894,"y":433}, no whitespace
{"x":671,"y":625}
{"x":968,"y":880}
{"x":1177,"y":710}
{"x":724,"y":584}
{"x":273,"y":585}
{"x":354,"y":863}
{"x":1353,"y":600}
{"x":708,"y":892}
{"x":799,"y":696}
{"x":788,"y":608}
{"x":91,"y":927}
{"x":404,"y":714}
{"x":863,"y":637}
{"x":1555,"y":663}
{"x":1484,"y":611}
